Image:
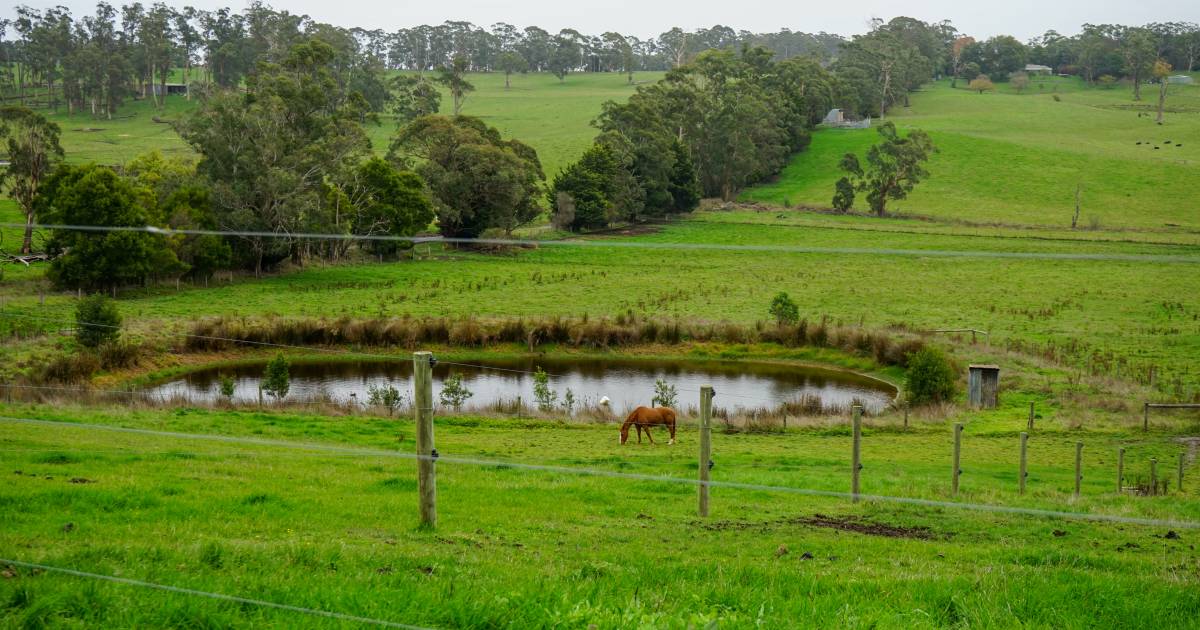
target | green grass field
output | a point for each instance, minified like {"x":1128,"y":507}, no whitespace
{"x":552,"y":116}
{"x":1016,"y":158}
{"x":519,"y":548}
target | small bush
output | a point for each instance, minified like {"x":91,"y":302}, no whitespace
{"x":931,"y":377}
{"x":546,"y":398}
{"x":119,"y":354}
{"x":67,"y":368}
{"x":784,"y":310}
{"x":664,"y":394}
{"x":385,"y":396}
{"x":843,"y":196}
{"x":276,"y":380}
{"x":454,"y":393}
{"x":97,"y":321}
{"x":227,"y":386}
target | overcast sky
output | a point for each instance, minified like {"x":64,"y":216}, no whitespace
{"x":645,"y":18}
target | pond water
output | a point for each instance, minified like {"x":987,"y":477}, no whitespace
{"x":626,"y":382}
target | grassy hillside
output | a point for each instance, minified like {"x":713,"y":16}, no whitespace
{"x":552,"y":116}
{"x":1016,"y":158}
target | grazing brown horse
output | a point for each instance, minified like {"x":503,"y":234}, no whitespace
{"x":644,"y":417}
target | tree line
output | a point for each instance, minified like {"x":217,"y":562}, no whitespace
{"x":281,"y":150}
{"x":95,"y":62}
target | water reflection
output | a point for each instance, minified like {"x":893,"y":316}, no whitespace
{"x":627,"y":383}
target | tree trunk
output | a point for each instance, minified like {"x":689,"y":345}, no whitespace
{"x":27,"y":243}
{"x":506,"y":77}
{"x":1162,"y":98}
{"x":887,"y":77}
{"x":1137,"y":86}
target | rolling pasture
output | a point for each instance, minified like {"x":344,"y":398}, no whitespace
{"x":1008,"y":158}
{"x":325,"y":517}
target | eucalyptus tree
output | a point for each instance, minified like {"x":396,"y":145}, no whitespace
{"x":1138,"y":48}
{"x":271,"y":155}
{"x":509,"y":62}
{"x":189,"y":41}
{"x":156,"y":35}
{"x":33,"y":149}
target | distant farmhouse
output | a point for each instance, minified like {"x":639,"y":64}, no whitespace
{"x":172,"y":89}
{"x":835,"y":118}
{"x":1033,"y":68}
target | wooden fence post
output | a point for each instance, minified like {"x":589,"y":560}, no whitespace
{"x":958,"y":427}
{"x":1145,"y":417}
{"x":1030,"y":428}
{"x":856,"y":453}
{"x":1078,"y":466}
{"x":1153,"y":475}
{"x":906,"y":405}
{"x":1180,"y":480}
{"x":706,"y":396}
{"x":1024,"y":442}
{"x":1120,"y":469}
{"x":426,"y":470}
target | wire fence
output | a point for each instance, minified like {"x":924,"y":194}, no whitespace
{"x":598,"y":472}
{"x":608,"y":243}
{"x":261,"y":603}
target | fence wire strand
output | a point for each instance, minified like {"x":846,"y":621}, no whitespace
{"x":596,"y":472}
{"x":603,"y":243}
{"x":210,"y":595}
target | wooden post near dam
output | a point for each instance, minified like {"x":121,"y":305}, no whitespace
{"x":1078,"y":466}
{"x":1120,"y":469}
{"x":1180,"y":480}
{"x":1030,"y":428}
{"x":958,"y":427}
{"x":856,"y":453}
{"x":426,"y":466}
{"x":706,"y":396}
{"x":1153,"y":475}
{"x":1023,"y":474}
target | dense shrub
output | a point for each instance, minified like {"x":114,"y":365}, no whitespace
{"x":931,"y":377}
{"x":784,"y":310}
{"x":97,"y":321}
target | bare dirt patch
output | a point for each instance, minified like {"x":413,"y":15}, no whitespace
{"x":640,"y":229}
{"x":853,"y":524}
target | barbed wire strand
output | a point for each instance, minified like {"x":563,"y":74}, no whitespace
{"x":218,"y":596}
{"x":514,"y":242}
{"x":596,"y":472}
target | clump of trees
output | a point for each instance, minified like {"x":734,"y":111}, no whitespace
{"x":711,"y":127}
{"x":479,"y":180}
{"x":103,"y":260}
{"x":893,"y":168}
